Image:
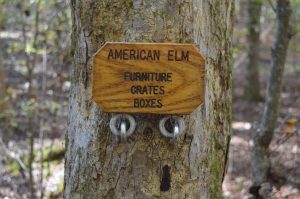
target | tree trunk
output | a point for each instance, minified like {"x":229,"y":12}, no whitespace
{"x":4,"y":103}
{"x":252,"y":86}
{"x":263,"y":135}
{"x":148,"y":166}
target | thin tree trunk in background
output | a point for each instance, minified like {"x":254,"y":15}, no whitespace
{"x":30,"y":69}
{"x":241,"y":16}
{"x":252,"y":85}
{"x":148,"y":166}
{"x":42,"y":120}
{"x":263,"y":135}
{"x":4,"y":102}
{"x":30,"y":118}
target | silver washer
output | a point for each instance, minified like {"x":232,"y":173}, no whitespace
{"x":122,"y":132}
{"x":178,"y":128}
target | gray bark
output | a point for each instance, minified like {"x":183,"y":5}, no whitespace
{"x":147,"y":166}
{"x":252,"y":85}
{"x":263,"y":135}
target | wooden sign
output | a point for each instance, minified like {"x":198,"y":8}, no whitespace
{"x":156,"y":78}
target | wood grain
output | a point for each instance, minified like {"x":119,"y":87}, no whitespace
{"x":155,"y":78}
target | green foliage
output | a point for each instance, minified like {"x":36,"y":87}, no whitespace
{"x":27,"y":107}
{"x":7,"y":113}
{"x":13,"y":167}
{"x":294,"y":46}
{"x":53,"y":106}
{"x":3,"y":14}
{"x":7,"y":118}
{"x":54,"y":22}
{"x":295,"y":4}
{"x":54,"y":153}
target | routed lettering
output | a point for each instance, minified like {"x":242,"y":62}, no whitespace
{"x":147,"y":90}
{"x":174,"y":55}
{"x":133,"y":54}
{"x":147,"y":103}
{"x":147,"y":55}
{"x":148,"y":77}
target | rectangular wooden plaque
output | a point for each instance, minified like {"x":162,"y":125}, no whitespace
{"x":156,"y":78}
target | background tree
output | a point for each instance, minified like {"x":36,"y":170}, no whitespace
{"x":147,"y":166}
{"x":263,"y":135}
{"x":252,"y":85}
{"x":3,"y":94}
{"x":4,"y":103}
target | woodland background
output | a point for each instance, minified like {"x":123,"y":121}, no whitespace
{"x":35,"y":65}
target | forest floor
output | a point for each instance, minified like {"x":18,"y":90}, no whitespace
{"x":285,"y":146}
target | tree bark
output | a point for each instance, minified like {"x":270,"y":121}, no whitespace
{"x":252,"y":85}
{"x":263,"y":135}
{"x":148,"y":166}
